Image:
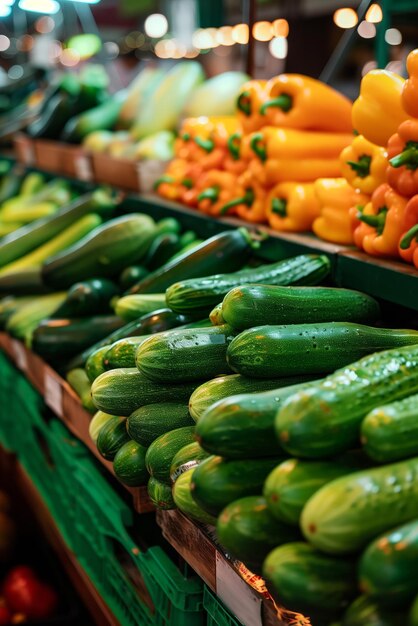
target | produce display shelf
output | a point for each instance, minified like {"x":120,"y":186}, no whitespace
{"x":64,"y":402}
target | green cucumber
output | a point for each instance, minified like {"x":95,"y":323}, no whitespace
{"x":325,"y":418}
{"x":205,"y":293}
{"x":160,"y":494}
{"x":306,"y":580}
{"x":101,"y":117}
{"x":129,"y":464}
{"x":187,"y":457}
{"x":131,"y":275}
{"x":182,"y":497}
{"x":255,"y":305}
{"x":268,"y":351}
{"x":248,"y":531}
{"x":78,"y":380}
{"x":98,"y":420}
{"x":216,"y":316}
{"x":169,"y":225}
{"x":366,"y":612}
{"x":231,"y":385}
{"x":122,"y":352}
{"x":390,"y":433}
{"x":131,"y":307}
{"x":90,"y":297}
{"x":163,"y":449}
{"x":347,"y":513}
{"x":290,"y":485}
{"x":112,"y":437}
{"x":242,"y":426}
{"x":185,"y":355}
{"x":388,"y":568}
{"x":124,"y":390}
{"x":94,"y":364}
{"x":217,"y":482}
{"x":153,"y":420}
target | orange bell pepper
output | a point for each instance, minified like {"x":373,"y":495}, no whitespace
{"x":410,"y":88}
{"x":297,"y":101}
{"x":292,"y":207}
{"x":217,"y":189}
{"x":402,"y":173}
{"x":408,"y":244}
{"x":275,"y":171}
{"x":363,"y":164}
{"x":382,"y":223}
{"x":249,"y":201}
{"x":287,"y":143}
{"x":253,"y":94}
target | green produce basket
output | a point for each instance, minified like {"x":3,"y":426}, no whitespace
{"x":217,"y":613}
{"x":10,"y":427}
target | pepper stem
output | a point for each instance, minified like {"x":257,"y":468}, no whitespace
{"x":258,"y":146}
{"x":247,"y":198}
{"x":234,"y":145}
{"x":187,"y":182}
{"x":362,"y":166}
{"x":279,"y":206}
{"x":186,"y":136}
{"x":377,"y":221}
{"x":206,"y":144}
{"x":244,"y":103}
{"x":211,"y":193}
{"x":283,"y":102}
{"x":408,"y":237}
{"x":408,"y":157}
{"x":163,"y":179}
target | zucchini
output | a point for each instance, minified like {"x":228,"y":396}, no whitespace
{"x":98,"y":420}
{"x":268,"y":351}
{"x":103,"y":253}
{"x":205,"y":293}
{"x":101,"y":117}
{"x":23,"y":322}
{"x":123,"y":390}
{"x":216,"y":316}
{"x":388,"y":568}
{"x":129,"y":464}
{"x":255,"y":305}
{"x":169,"y":225}
{"x":366,"y":612}
{"x":90,"y":297}
{"x":390,"y":433}
{"x":151,"y":421}
{"x":94,"y":364}
{"x":231,"y":385}
{"x":9,"y":305}
{"x":413,"y":616}
{"x":132,"y":275}
{"x":217,"y":482}
{"x":27,"y":214}
{"x":185,"y":355}
{"x":160,"y":494}
{"x":78,"y":380}
{"x":122,"y":352}
{"x":228,"y":249}
{"x":347,"y":513}
{"x":325,"y":418}
{"x":24,"y":282}
{"x":161,"y":250}
{"x":183,"y":500}
{"x":112,"y":437}
{"x":306,"y":580}
{"x":248,"y":531}
{"x":187,"y":457}
{"x":129,"y":308}
{"x":242,"y":426}
{"x":163,"y":449}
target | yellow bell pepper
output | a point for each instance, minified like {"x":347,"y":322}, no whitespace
{"x":287,"y":143}
{"x":275,"y":171}
{"x":363,"y":164}
{"x":292,"y":207}
{"x":410,"y":89}
{"x":378,"y":111}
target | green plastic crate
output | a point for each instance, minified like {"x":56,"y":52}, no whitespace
{"x":217,"y":613}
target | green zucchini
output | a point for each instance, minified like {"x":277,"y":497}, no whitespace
{"x":390,"y":433}
{"x":186,"y":238}
{"x":216,"y":316}
{"x":347,"y":513}
{"x":129,"y":464}
{"x":112,"y":436}
{"x":101,"y":117}
{"x":231,"y":385}
{"x":268,"y":351}
{"x":186,"y":249}
{"x":255,"y":305}
{"x":9,"y":305}
{"x":23,"y":322}
{"x":182,"y":497}
{"x":169,"y":225}
{"x":185,"y":355}
{"x":205,"y":293}
{"x":124,"y":390}
{"x":122,"y":352}
{"x":90,"y":297}
{"x":103,"y":253}
{"x":217,"y":482}
{"x":248,"y":531}
{"x":161,"y":250}
{"x":413,"y":616}
{"x":78,"y":380}
{"x":131,"y":275}
{"x":325,"y":418}
{"x":94,"y":364}
{"x":24,"y":282}
{"x":129,"y":308}
{"x":306,"y":580}
{"x":187,"y":457}
{"x":153,"y":420}
{"x":160,"y":494}
{"x":388,"y":567}
{"x":98,"y":420}
{"x":366,"y":612}
{"x":163,"y":449}
{"x":228,"y":249}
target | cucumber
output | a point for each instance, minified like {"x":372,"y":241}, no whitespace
{"x":129,"y":464}
{"x":215,"y":315}
{"x":98,"y":420}
{"x":205,"y":293}
{"x":160,"y":494}
{"x":185,"y":355}
{"x":290,"y":485}
{"x":94,"y":364}
{"x":163,"y":449}
{"x":388,"y":567}
{"x":169,"y":225}
{"x":122,"y":352}
{"x":151,"y":421}
{"x":112,"y":437}
{"x":228,"y":249}
{"x":254,"y":305}
{"x":124,"y":390}
{"x":248,"y":531}
{"x":90,"y":297}
{"x":365,"y":612}
{"x":242,"y":426}
{"x":306,"y":580}
{"x":132,"y":275}
{"x":131,"y":307}
{"x":231,"y":385}
{"x":104,"y":253}
{"x":325,"y":419}
{"x":78,"y":380}
{"x":390,"y":433}
{"x":347,"y":513}
{"x":101,"y":117}
{"x":183,"y":500}
{"x":217,"y":482}
{"x":268,"y":351}
{"x":187,"y":457}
